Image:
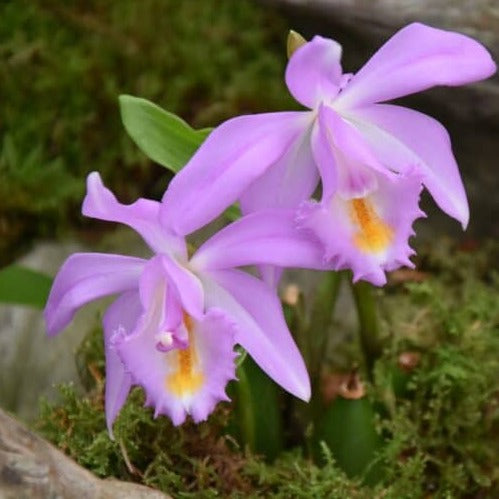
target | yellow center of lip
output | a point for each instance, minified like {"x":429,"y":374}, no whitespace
{"x":373,"y":235}
{"x":186,"y":379}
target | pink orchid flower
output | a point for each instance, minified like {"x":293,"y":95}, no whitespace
{"x":174,"y":325}
{"x":372,"y":158}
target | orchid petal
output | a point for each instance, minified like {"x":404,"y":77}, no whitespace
{"x":160,"y":299}
{"x":260,"y":326}
{"x":416,"y":58}
{"x":233,"y":156}
{"x":85,"y":277}
{"x":367,"y":235}
{"x":271,"y":275}
{"x":119,"y":320}
{"x":403,"y":138}
{"x":189,"y":381}
{"x":322,"y":149}
{"x":292,"y":179}
{"x":264,"y":237}
{"x":314,"y":71}
{"x":142,"y":216}
{"x":188,"y":286}
{"x":354,"y":161}
{"x":153,"y":276}
{"x":167,"y":285}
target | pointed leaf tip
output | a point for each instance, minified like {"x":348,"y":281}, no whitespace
{"x":294,"y":42}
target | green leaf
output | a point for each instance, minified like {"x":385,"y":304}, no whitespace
{"x":257,"y":411}
{"x":24,"y":286}
{"x":160,"y":135}
{"x":349,"y":430}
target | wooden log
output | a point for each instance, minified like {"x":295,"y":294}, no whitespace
{"x":32,"y":468}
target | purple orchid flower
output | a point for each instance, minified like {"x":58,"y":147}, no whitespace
{"x":174,"y":325}
{"x":372,"y":158}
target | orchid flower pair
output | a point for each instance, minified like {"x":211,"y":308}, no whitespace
{"x":173,"y":327}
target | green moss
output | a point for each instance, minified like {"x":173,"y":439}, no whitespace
{"x":450,"y":418}
{"x":441,"y":434}
{"x":63,"y":65}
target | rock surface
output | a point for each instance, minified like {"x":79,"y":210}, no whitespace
{"x":470,"y":113}
{"x":32,"y":468}
{"x":31,"y":363}
{"x":362,"y":26}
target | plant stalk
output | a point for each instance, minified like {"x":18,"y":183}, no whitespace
{"x":363,"y":293}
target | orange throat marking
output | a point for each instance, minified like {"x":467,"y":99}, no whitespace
{"x":186,"y":379}
{"x":373,"y":235}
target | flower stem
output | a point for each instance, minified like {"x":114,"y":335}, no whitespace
{"x":318,"y":335}
{"x":320,"y":321}
{"x":244,"y":408}
{"x":363,"y":294}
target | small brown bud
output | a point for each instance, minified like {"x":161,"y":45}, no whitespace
{"x":353,"y":388}
{"x":408,"y":361}
{"x":291,"y":295}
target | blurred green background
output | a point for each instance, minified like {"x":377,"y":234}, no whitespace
{"x":63,"y":65}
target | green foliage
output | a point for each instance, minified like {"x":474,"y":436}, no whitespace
{"x":441,"y":434}
{"x":162,"y":136}
{"x":449,"y":422}
{"x":62,"y":66}
{"x":31,"y":192}
{"x":24,"y":286}
{"x":256,"y":416}
{"x":292,"y":475}
{"x":348,"y":429}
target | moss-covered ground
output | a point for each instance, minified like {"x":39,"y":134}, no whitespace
{"x":440,"y":432}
